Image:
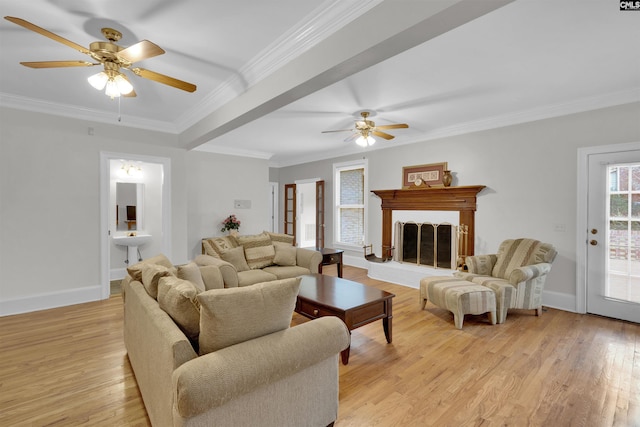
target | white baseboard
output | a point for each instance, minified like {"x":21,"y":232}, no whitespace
{"x":117,"y":273}
{"x":410,"y":275}
{"x":50,"y":300}
{"x":565,"y":302}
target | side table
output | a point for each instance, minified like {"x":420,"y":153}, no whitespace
{"x":331,"y":256}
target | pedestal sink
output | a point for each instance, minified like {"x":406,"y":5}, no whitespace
{"x":132,"y":243}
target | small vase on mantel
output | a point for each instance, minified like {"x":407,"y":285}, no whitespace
{"x":447,"y":178}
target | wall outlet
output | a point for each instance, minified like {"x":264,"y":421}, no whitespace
{"x":560,"y":228}
{"x":242,"y":204}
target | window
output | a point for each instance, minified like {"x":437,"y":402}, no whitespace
{"x":350,"y":204}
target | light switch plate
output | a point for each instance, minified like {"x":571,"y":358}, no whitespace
{"x":242,"y":204}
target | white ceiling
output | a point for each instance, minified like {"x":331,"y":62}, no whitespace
{"x":272,"y":75}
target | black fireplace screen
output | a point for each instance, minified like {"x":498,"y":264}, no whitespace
{"x":427,"y":244}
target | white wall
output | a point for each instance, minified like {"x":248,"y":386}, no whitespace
{"x":49,"y":165}
{"x":215,"y":181}
{"x":530,"y":172}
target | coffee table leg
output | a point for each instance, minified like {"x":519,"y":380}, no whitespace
{"x":386,"y":323}
{"x":344,"y":354}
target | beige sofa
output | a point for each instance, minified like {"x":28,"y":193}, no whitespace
{"x":246,"y":260}
{"x":288,"y":377}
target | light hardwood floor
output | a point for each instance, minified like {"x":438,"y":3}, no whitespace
{"x":68,"y":366}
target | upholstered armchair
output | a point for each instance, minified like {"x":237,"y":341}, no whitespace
{"x":516,"y":274}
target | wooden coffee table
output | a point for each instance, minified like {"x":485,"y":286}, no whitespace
{"x":354,"y":303}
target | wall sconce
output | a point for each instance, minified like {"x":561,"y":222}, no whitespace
{"x":130,"y":170}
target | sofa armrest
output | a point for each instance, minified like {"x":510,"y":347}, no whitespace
{"x":229,"y":272}
{"x":528,"y":272}
{"x":213,"y":379}
{"x":308,"y":259}
{"x":481,"y":264}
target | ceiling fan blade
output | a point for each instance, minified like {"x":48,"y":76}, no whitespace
{"x":139,"y":51}
{"x":382,"y":134}
{"x":29,"y":26}
{"x":396,"y":126}
{"x":340,"y":130}
{"x":58,"y":64}
{"x":161,"y":78}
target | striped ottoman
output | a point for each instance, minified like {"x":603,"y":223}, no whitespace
{"x":459,"y":297}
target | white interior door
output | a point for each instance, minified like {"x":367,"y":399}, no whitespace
{"x":613,"y":235}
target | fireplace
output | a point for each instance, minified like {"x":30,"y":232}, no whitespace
{"x":426,"y":244}
{"x":461,"y":199}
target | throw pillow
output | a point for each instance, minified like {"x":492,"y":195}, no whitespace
{"x":223,"y":244}
{"x":151,"y":274}
{"x":285,"y":255}
{"x":235,"y":256}
{"x":191,"y":272}
{"x":135,"y":270}
{"x":177,"y":297}
{"x":207,"y":248}
{"x":212,"y":277}
{"x":234,"y":315}
{"x":258,"y":250}
{"x":281,"y":238}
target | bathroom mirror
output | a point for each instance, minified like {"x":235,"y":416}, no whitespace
{"x":129,"y":206}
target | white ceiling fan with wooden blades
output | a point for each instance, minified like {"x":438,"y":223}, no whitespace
{"x":112,"y":57}
{"x":365,"y":128}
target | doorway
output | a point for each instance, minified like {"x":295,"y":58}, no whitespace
{"x":304,"y":215}
{"x":612,"y":243}
{"x":153,"y":210}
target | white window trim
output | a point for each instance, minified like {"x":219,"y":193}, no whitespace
{"x":353,"y":164}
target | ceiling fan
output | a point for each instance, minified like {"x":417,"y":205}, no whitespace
{"x":365,"y":128}
{"x":112,"y":57}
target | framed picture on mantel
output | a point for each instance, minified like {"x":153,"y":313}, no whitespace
{"x":423,"y":176}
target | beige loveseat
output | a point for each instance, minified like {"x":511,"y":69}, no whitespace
{"x":246,"y":366}
{"x":250,"y":259}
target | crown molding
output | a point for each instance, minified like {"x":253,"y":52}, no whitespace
{"x":325,"y":20}
{"x":80,"y":113}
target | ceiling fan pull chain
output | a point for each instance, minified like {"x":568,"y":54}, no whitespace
{"x":119,"y":115}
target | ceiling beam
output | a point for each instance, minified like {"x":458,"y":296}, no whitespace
{"x":388,"y":29}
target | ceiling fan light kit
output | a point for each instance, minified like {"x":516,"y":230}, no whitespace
{"x":365,"y":128}
{"x":112,"y":57}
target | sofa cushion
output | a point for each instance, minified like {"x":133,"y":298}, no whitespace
{"x":236,"y":257}
{"x":287,"y":271}
{"x":280,"y":238}
{"x":258,"y":250}
{"x":191,"y":272}
{"x":231,"y":316}
{"x":151,"y":274}
{"x":251,"y":277}
{"x":135,"y":270}
{"x":177,"y":297}
{"x":285,"y":254}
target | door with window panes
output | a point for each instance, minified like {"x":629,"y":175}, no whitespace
{"x":613,"y":256}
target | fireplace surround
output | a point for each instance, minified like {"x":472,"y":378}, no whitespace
{"x":461,"y":199}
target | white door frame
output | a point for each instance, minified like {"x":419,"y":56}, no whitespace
{"x":105,"y":178}
{"x":581,"y":220}
{"x":273,"y":208}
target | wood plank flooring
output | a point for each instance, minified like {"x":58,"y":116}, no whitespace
{"x":68,"y":366}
